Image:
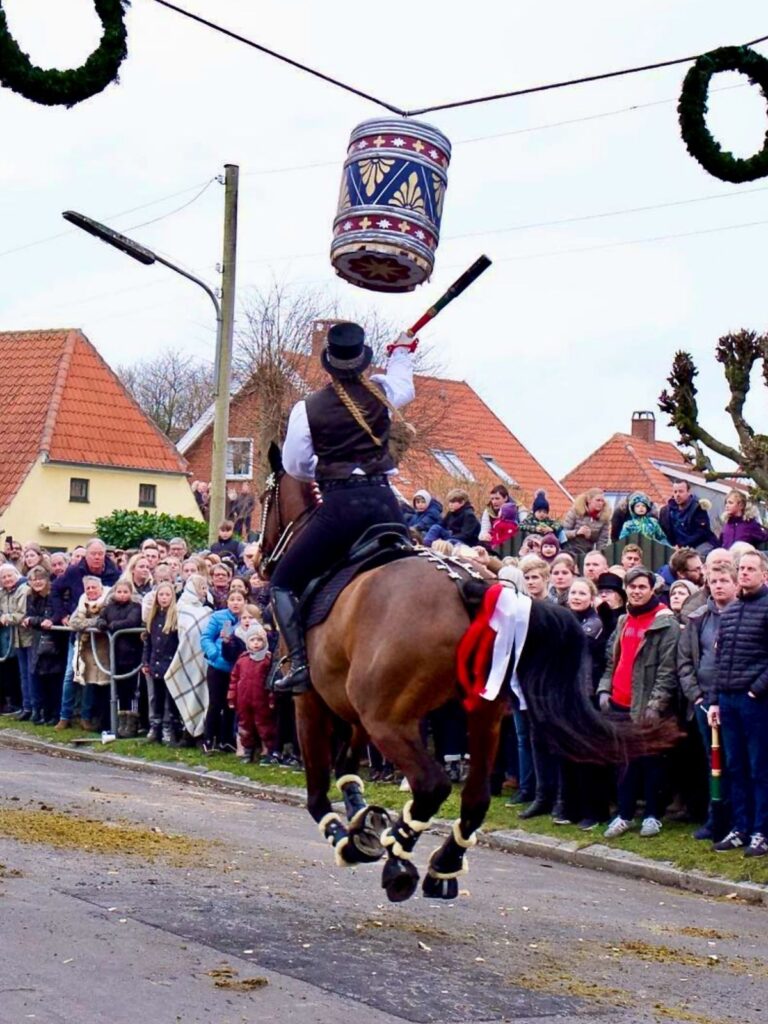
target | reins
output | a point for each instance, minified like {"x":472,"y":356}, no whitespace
{"x":287,"y":531}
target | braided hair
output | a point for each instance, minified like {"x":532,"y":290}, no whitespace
{"x":359,"y":416}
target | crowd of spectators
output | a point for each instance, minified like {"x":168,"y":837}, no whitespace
{"x":688,"y":642}
{"x":189,"y":640}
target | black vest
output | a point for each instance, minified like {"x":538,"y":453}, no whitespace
{"x":340,"y":444}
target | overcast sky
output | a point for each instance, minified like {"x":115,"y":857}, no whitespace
{"x":576,"y":323}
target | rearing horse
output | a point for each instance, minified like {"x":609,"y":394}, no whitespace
{"x":384,"y":658}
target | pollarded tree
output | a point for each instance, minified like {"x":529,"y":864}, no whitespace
{"x":739,"y":354}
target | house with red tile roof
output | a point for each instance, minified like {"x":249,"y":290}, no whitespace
{"x":459,"y":440}
{"x":638,"y":462}
{"x":74,"y":445}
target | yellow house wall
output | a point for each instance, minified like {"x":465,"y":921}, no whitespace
{"x":43,"y":501}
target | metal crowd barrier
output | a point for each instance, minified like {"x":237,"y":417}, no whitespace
{"x":114,"y":678}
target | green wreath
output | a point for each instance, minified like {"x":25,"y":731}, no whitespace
{"x":692,"y":109}
{"x":53,"y":87}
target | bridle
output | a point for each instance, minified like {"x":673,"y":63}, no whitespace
{"x":285,"y":531}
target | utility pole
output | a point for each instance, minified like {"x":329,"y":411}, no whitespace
{"x":223,"y":367}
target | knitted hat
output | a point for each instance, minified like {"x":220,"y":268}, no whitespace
{"x":423,"y":494}
{"x":550,"y":538}
{"x":636,"y":498}
{"x":687,"y":584}
{"x":610,"y":581}
{"x":256,"y":629}
{"x":508,"y":512}
{"x":540,"y":503}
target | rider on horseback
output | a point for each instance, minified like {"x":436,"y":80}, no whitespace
{"x":339,"y":437}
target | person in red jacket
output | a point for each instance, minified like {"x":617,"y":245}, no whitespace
{"x":248,"y":695}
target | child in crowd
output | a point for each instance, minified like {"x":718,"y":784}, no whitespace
{"x":218,"y":639}
{"x":538,"y":519}
{"x":122,"y":610}
{"x":505,"y":526}
{"x":550,"y":548}
{"x":641,"y":521}
{"x":227,"y":543}
{"x":460,"y":525}
{"x":249,"y":697}
{"x":427,"y":511}
{"x":160,"y":642}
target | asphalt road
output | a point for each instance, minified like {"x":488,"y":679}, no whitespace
{"x":245,"y":919}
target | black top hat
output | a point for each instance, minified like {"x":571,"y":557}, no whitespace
{"x":345,"y":351}
{"x":610,"y":581}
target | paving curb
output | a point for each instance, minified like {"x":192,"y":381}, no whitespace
{"x":595,"y":856}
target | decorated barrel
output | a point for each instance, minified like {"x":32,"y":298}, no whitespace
{"x":387,"y":226}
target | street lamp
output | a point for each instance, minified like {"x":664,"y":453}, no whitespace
{"x":225,"y":316}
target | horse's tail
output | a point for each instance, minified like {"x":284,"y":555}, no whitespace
{"x":560,"y":708}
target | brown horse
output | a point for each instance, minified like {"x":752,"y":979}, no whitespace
{"x":383,"y":659}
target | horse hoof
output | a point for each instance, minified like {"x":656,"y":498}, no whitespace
{"x":399,"y":879}
{"x":365,"y":834}
{"x":440,"y":888}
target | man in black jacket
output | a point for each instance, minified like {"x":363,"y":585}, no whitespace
{"x":742,"y":706}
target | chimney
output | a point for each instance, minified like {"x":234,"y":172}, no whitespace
{"x":320,"y":330}
{"x":644,"y":425}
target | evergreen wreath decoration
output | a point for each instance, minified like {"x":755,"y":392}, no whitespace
{"x":53,"y":87}
{"x":692,"y":109}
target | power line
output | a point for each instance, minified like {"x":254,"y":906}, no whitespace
{"x":608,"y":213}
{"x":281,"y":57}
{"x":499,"y":135}
{"x":601,"y":76}
{"x":111,"y":216}
{"x":601,"y":215}
{"x":178,"y":209}
{"x":565,"y":84}
{"x":630,"y":241}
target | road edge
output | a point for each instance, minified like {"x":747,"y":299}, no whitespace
{"x":596,"y":856}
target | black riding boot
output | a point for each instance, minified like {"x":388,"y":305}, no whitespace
{"x":285,"y":607}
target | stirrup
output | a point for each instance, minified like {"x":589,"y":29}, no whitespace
{"x":297,"y":680}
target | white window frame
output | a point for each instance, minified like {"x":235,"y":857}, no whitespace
{"x":231,"y":475}
{"x":500,"y":472}
{"x":452,"y":464}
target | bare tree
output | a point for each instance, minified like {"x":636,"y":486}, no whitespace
{"x":173,"y":389}
{"x":739,"y":354}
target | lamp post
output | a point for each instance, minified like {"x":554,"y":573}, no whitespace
{"x":224,"y":326}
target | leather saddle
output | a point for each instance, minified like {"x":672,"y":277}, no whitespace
{"x":380,"y":544}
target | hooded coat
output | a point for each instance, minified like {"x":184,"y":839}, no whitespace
{"x":746,"y":528}
{"x":646,"y":525}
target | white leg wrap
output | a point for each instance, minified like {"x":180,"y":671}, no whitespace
{"x":346,"y":779}
{"x":325,"y":821}
{"x":337,"y":853}
{"x":417,"y":826}
{"x":459,"y":838}
{"x":434,"y":873}
{"x":388,"y":840}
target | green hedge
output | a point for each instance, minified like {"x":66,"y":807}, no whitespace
{"x":126,"y":529}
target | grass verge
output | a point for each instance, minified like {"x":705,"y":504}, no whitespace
{"x":675,"y":844}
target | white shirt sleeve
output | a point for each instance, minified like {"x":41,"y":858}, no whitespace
{"x":397,"y":381}
{"x":299,"y":459}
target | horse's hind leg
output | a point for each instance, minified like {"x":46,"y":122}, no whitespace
{"x":314,"y":725}
{"x":430,"y":787}
{"x":448,"y":860}
{"x":365,"y":822}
